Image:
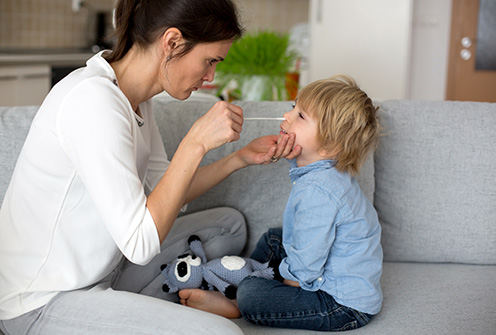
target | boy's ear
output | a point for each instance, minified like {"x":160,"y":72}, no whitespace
{"x":171,"y":39}
{"x":330,"y":153}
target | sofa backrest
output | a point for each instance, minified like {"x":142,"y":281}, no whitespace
{"x":14,"y":126}
{"x":434,"y":186}
{"x":435,"y":174}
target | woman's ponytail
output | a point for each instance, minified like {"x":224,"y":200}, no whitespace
{"x":123,"y":34}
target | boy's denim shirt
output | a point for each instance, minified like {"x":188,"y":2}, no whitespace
{"x":331,"y":235}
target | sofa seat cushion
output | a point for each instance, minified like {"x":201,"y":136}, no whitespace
{"x":422,"y":298}
{"x":435,"y":189}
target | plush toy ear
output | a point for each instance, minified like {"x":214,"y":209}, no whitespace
{"x":196,"y":246}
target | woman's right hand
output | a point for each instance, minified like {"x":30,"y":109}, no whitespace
{"x":220,"y":125}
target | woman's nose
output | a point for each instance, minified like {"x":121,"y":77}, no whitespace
{"x":209,"y":76}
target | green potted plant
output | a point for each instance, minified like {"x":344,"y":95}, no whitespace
{"x":256,"y":67}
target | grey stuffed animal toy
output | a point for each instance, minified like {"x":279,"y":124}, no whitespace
{"x":223,"y":274}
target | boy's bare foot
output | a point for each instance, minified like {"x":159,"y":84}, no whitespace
{"x":210,"y":301}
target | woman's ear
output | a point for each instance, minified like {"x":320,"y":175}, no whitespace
{"x":171,"y":39}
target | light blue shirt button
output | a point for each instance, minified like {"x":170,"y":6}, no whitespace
{"x":319,"y":279}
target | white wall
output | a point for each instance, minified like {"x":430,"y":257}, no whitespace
{"x":395,"y":49}
{"x":369,"y":40}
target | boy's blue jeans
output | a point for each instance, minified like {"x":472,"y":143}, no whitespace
{"x":272,"y":303}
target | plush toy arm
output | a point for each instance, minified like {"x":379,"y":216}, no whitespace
{"x":261,"y":269}
{"x":265,"y":273}
{"x":255,"y":265}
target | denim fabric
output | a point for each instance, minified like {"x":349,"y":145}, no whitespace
{"x":269,"y":247}
{"x":272,"y":303}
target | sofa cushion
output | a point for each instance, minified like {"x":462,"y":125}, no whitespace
{"x":436,"y":182}
{"x":436,"y":299}
{"x":14,"y":126}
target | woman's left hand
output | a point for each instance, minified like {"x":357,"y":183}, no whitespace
{"x":269,"y":149}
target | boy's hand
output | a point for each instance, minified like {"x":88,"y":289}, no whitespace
{"x":291,"y":283}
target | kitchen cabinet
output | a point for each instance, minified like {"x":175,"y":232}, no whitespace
{"x":26,"y":75}
{"x":24,"y":84}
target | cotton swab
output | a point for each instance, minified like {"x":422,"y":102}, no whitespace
{"x":264,"y":119}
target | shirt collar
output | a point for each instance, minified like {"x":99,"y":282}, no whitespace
{"x":296,"y":172}
{"x":98,"y":61}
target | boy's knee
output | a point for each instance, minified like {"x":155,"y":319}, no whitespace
{"x":274,"y":232}
{"x":249,"y":287}
{"x":252,"y":294}
{"x":243,"y":287}
{"x":270,"y":235}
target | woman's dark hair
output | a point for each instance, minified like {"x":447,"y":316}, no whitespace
{"x":141,"y":22}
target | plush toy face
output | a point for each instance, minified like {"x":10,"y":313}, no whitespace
{"x":183,"y":268}
{"x":185,"y":272}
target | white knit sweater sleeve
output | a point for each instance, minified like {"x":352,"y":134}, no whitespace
{"x":158,"y":162}
{"x":101,"y":137}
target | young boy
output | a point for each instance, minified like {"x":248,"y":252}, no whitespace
{"x":327,"y":256}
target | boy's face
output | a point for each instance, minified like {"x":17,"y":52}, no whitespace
{"x":305,"y":127}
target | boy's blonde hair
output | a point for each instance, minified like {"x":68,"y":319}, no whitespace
{"x":348,"y":125}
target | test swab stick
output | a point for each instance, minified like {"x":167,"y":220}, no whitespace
{"x":264,"y":119}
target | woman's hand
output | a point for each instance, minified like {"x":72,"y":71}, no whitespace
{"x":220,"y":125}
{"x":259,"y":151}
{"x":269,"y":149}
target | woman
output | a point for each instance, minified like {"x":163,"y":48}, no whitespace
{"x":93,"y":198}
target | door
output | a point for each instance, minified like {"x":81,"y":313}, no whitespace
{"x":472,"y":58}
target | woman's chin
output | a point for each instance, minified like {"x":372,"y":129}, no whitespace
{"x":182,"y":96}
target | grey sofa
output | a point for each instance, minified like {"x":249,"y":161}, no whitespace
{"x":432,"y":181}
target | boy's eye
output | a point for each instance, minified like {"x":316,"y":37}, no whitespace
{"x":301,"y":115}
